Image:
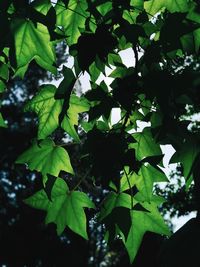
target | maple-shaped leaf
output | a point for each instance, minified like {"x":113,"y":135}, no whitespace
{"x":141,"y":222}
{"x":145,"y":179}
{"x":49,"y":109}
{"x":46,"y":158}
{"x":72,"y":18}
{"x":77,"y":105}
{"x":145,"y":145}
{"x":114,"y":200}
{"x":154,"y":6}
{"x":31,"y":42}
{"x":186,"y":155}
{"x":65,"y":207}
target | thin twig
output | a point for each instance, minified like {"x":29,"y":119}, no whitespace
{"x":80,"y":181}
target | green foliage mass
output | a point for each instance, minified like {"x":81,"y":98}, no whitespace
{"x":119,"y":157}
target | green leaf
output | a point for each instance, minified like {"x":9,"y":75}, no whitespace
{"x":2,"y":86}
{"x":191,"y":42}
{"x":4,"y":71}
{"x":42,"y":6}
{"x":186,"y":155}
{"x":146,"y":145}
{"x":77,"y":105}
{"x":66,"y":86}
{"x":114,"y":200}
{"x":72,"y":18}
{"x":48,"y":110}
{"x":2,"y":122}
{"x":65,"y":208}
{"x":46,"y":158}
{"x":104,"y":8}
{"x":154,"y":6}
{"x":142,"y":222}
{"x":145,"y":179}
{"x":32,"y":43}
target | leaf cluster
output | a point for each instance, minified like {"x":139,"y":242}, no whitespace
{"x":120,"y":157}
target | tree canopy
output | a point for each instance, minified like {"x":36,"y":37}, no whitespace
{"x":121,"y":160}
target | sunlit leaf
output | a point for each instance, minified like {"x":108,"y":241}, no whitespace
{"x":46,"y":158}
{"x":154,"y":6}
{"x":65,"y":207}
{"x":42,"y":6}
{"x":32,"y":42}
{"x":49,"y":109}
{"x":145,"y":179}
{"x":72,"y":18}
{"x":2,"y":122}
{"x":186,"y":155}
{"x":141,"y":223}
{"x":146,"y":145}
{"x":114,"y":200}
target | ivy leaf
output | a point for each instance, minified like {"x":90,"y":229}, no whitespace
{"x":154,"y":6}
{"x":141,"y":222}
{"x":46,"y":158}
{"x":31,"y":42}
{"x":49,"y":109}
{"x":146,"y":145}
{"x":72,"y":18}
{"x":65,"y":207}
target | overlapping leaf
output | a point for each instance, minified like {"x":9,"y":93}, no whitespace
{"x":114,"y":200}
{"x":42,"y":6}
{"x":146,"y":145}
{"x":186,"y":155}
{"x":48,"y":109}
{"x":65,"y":207}
{"x":32,"y":42}
{"x":46,"y":158}
{"x":145,"y":179}
{"x":154,"y":6}
{"x":142,"y":222}
{"x":72,"y":18}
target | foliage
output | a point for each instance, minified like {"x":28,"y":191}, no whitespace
{"x":122,"y":159}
